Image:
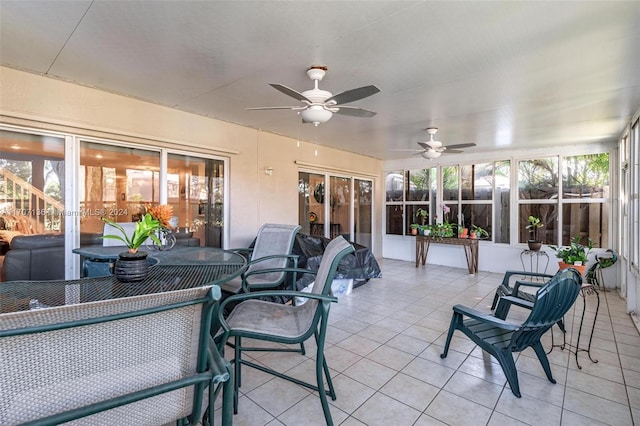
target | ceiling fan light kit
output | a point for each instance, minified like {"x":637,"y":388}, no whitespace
{"x":433,"y":149}
{"x":318,"y":106}
{"x":430,"y":154}
{"x":315,"y":114}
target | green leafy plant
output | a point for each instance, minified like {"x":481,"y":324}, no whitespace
{"x":423,"y":215}
{"x":533,"y":226}
{"x":146,"y":227}
{"x":574,"y":253}
{"x":480,"y":232}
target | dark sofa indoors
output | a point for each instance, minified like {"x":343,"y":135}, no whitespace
{"x":40,"y":257}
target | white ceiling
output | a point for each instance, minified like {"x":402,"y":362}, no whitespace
{"x":502,"y":74}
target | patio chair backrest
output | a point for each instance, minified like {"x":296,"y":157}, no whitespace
{"x":273,"y":239}
{"x":552,"y":302}
{"x":65,"y":358}
{"x":335,"y":251}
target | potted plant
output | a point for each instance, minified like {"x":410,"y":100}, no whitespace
{"x":463,"y":232}
{"x":478,"y":232}
{"x":132,"y":265}
{"x":422,"y":214}
{"x":448,"y":229}
{"x":575,"y":255}
{"x":414,"y":228}
{"x":534,"y":224}
{"x":425,"y":230}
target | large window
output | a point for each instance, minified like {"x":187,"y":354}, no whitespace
{"x":538,"y":189}
{"x":570,"y":195}
{"x":394,"y":210}
{"x":420,"y":195}
{"x":634,"y":195}
{"x":476,"y":195}
{"x":467,"y":197}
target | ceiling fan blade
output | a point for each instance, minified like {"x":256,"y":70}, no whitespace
{"x":353,"y":94}
{"x":460,"y":145}
{"x":298,"y":107}
{"x":354,"y":111}
{"x":425,"y":145}
{"x":290,"y":92}
{"x":451,"y":151}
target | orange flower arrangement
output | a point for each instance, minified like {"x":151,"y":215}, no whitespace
{"x":161,"y":213}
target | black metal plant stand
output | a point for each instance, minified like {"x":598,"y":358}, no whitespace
{"x":587,"y":289}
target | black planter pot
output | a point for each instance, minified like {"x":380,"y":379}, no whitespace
{"x":534,"y":245}
{"x":131,"y":267}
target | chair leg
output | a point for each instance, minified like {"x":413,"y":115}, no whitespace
{"x":542,"y":356}
{"x":302,"y":350}
{"x":229,"y":400}
{"x":509,"y":368}
{"x":502,"y":290}
{"x":327,"y":374}
{"x":502,"y":310}
{"x":452,"y":327}
{"x":320,"y":364}
{"x":495,"y":300}
{"x":237,"y":364}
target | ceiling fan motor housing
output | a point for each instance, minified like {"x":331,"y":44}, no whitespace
{"x":317,"y":72}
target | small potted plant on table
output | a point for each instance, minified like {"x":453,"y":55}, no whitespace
{"x":422,"y":215}
{"x":132,"y":265}
{"x":478,"y":232}
{"x":534,"y":224}
{"x":575,"y":255}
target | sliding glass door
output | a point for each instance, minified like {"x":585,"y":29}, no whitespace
{"x":32,"y":183}
{"x":195,"y":189}
{"x":116,"y":182}
{"x":335,"y":205}
{"x":362,"y":227}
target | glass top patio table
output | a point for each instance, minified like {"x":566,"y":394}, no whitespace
{"x":179,"y":255}
{"x":185,"y":268}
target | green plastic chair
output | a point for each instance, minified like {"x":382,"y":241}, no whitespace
{"x":142,"y":360}
{"x":501,"y":338}
{"x":286,"y":323}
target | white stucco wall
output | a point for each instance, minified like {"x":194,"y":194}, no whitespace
{"x":255,"y":198}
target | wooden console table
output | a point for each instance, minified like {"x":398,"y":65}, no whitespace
{"x":470,"y":249}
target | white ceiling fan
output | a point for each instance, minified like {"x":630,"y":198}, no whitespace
{"x":433,"y":149}
{"x":318,"y":106}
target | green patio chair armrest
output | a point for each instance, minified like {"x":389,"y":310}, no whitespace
{"x":258,"y":294}
{"x":244,"y":252}
{"x":518,"y":284}
{"x":508,"y":274}
{"x":247,"y":287}
{"x":482,"y":316}
{"x":219,"y":366}
{"x":294,"y":257}
{"x":514,"y":301}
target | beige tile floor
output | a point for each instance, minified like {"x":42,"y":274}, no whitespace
{"x":384,"y":342}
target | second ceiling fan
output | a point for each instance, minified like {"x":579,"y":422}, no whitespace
{"x":318,"y":106}
{"x":433,"y":149}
